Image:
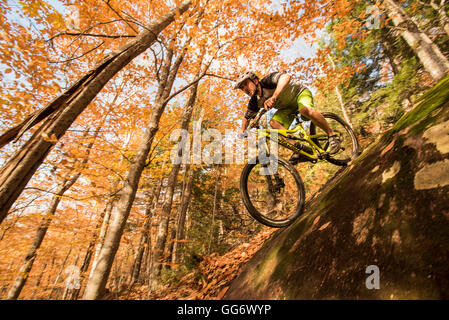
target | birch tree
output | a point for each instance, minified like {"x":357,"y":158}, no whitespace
{"x":429,"y":54}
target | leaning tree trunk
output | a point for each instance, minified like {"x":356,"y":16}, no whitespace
{"x":148,"y":247}
{"x":171,"y":243}
{"x":38,"y":281}
{"x":20,"y":168}
{"x":429,"y":54}
{"x":135,"y":270}
{"x":25,"y":269}
{"x":43,"y":227}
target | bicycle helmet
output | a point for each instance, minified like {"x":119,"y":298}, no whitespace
{"x":243,"y":76}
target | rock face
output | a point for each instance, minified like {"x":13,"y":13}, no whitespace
{"x":379,"y":231}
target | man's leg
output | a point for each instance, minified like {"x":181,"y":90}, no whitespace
{"x":305,"y":107}
{"x":283,"y":119}
{"x":317,"y":118}
{"x":275,"y":124}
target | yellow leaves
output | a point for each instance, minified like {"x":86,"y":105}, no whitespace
{"x":58,"y":21}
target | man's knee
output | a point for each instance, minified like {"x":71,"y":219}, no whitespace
{"x":275,"y":124}
{"x":310,"y":113}
{"x":305,"y":111}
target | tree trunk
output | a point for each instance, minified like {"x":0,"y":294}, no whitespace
{"x":55,"y":283}
{"x":161,"y":237}
{"x":50,"y":271}
{"x":149,"y":248}
{"x":102,"y":235}
{"x":171,"y":243}
{"x":20,"y":168}
{"x":38,"y":281}
{"x":25,"y":269}
{"x":389,"y":50}
{"x":141,"y":246}
{"x":74,"y":293}
{"x":72,"y":280}
{"x":144,"y":234}
{"x":120,"y":213}
{"x":429,"y":54}
{"x":143,"y":274}
{"x":217,"y":196}
{"x":339,"y":96}
{"x":180,"y":225}
{"x":179,"y":221}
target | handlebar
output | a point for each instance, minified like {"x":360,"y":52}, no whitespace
{"x":257,"y":119}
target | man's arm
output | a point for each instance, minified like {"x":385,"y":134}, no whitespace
{"x":283,"y":81}
{"x":245,"y":123}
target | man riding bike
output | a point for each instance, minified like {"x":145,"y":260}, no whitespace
{"x":279,"y":91}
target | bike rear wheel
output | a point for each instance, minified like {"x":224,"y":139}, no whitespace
{"x":349,"y":145}
{"x":273,"y":197}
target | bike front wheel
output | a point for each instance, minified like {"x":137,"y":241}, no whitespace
{"x":273,"y":196}
{"x":349,"y":149}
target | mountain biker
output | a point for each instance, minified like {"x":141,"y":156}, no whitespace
{"x":277,"y":90}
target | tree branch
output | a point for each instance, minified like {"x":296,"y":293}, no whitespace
{"x":85,"y":53}
{"x":94,"y":35}
{"x":118,"y":14}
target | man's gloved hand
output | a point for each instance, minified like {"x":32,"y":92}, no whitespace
{"x":243,"y":134}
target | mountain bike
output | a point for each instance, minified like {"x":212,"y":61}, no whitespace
{"x":274,"y":195}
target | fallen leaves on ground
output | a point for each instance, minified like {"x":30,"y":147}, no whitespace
{"x":212,"y":279}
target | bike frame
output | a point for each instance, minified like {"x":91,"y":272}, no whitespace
{"x":301,"y":135}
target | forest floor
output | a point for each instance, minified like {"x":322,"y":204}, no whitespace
{"x":211,"y":280}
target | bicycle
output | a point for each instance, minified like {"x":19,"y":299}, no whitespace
{"x":277,"y":198}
